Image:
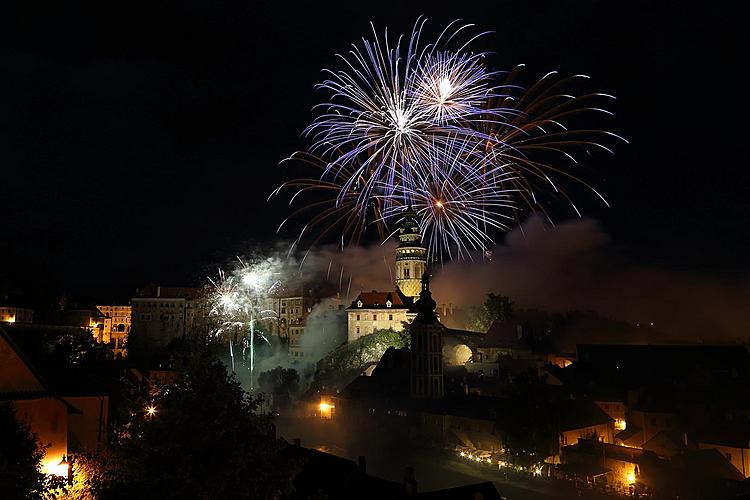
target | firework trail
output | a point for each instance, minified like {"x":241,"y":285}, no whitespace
{"x":237,"y":301}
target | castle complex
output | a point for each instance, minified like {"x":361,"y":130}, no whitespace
{"x":371,"y":311}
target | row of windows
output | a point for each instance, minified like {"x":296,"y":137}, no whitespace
{"x":160,"y":305}
{"x":375,"y":317}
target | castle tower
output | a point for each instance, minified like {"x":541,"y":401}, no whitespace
{"x":411,"y":256}
{"x":426,"y":368}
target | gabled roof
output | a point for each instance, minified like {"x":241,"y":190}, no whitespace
{"x":707,"y":464}
{"x":626,"y":435}
{"x":581,"y":413}
{"x":378,"y":300}
{"x":666,"y":443}
{"x":485,"y":491}
{"x":24,"y":369}
{"x":37,"y":387}
{"x":324,"y":475}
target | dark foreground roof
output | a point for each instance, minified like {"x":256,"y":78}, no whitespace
{"x":469,"y":492}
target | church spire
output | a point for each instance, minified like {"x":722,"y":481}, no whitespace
{"x":426,"y":351}
{"x":426,"y":304}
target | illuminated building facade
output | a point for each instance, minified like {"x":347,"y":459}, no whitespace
{"x":116,"y":327}
{"x":374,"y":310}
{"x":411,"y":257}
{"x":16,"y":315}
{"x":55,"y":414}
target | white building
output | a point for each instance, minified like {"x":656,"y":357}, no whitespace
{"x":374,"y":310}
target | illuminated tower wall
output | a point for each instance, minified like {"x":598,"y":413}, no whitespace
{"x":411,"y":256}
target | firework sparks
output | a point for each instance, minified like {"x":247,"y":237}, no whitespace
{"x":429,"y":126}
{"x":237,"y":303}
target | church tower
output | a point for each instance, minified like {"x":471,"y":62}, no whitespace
{"x":411,"y":256}
{"x":426,"y":367}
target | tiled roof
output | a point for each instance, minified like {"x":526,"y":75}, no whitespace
{"x":377,"y":300}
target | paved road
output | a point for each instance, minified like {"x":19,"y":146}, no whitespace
{"x":434,"y":470}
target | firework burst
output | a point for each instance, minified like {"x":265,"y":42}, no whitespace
{"x":429,"y":126}
{"x":237,"y":303}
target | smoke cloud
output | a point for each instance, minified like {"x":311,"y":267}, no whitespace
{"x":574,"y":266}
{"x":571,"y":266}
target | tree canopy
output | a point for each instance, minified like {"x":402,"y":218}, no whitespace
{"x":20,"y":459}
{"x":494,"y":308}
{"x":203,"y":438}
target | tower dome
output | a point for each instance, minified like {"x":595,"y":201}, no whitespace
{"x":411,"y":256}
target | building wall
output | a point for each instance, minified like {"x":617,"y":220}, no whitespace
{"x":616,"y":410}
{"x":156,"y":321}
{"x":652,"y":422}
{"x":16,"y":315}
{"x":365,"y":321}
{"x":89,"y":429}
{"x":48,"y":419}
{"x":426,"y":364}
{"x":411,"y":263}
{"x":116,"y":327}
{"x":740,"y":457}
{"x":296,"y":352}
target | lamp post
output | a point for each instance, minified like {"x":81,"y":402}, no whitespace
{"x":68,"y":467}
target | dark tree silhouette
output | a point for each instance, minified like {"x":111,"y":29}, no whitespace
{"x":20,"y":458}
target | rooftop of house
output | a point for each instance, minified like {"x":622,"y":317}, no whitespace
{"x":581,"y":413}
{"x":380,"y":300}
{"x":334,"y":477}
{"x":484,"y":491}
{"x":707,"y":464}
{"x":47,"y":351}
{"x":41,"y":389}
{"x":610,"y":451}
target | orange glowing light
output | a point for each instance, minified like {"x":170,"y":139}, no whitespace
{"x":151,"y":410}
{"x":326,"y":409}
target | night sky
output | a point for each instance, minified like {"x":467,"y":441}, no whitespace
{"x":138,"y":143}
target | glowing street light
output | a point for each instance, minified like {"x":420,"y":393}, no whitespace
{"x":150,"y":411}
{"x":631,"y":477}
